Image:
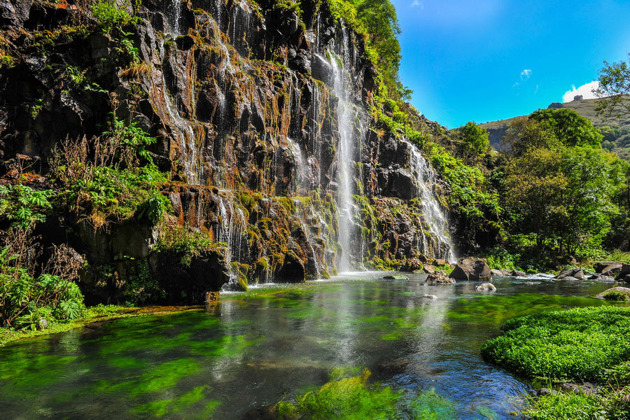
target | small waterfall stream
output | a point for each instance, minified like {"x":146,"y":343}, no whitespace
{"x":431,"y":209}
{"x":347,"y":117}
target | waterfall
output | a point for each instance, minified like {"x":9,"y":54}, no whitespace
{"x":174,"y":13}
{"x":231,"y":230}
{"x":347,"y":116}
{"x":431,"y":209}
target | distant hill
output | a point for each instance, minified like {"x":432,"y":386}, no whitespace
{"x":616,"y":139}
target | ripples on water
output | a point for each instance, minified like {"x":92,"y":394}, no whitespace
{"x":255,"y":349}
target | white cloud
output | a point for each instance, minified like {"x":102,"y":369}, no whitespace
{"x":418,"y":3}
{"x":526,"y":74}
{"x":585,"y":90}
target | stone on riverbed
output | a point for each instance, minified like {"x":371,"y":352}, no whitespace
{"x":395,"y":277}
{"x":486,"y":287}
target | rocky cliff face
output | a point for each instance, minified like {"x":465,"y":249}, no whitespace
{"x":262,"y":115}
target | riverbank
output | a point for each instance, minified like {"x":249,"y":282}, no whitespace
{"x":581,"y":356}
{"x":95,"y":314}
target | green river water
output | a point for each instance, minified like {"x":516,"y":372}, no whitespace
{"x":254,"y":349}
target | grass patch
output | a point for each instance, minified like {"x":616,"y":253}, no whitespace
{"x":577,"y":345}
{"x":574,"y":345}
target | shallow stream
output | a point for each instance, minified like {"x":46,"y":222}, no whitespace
{"x":254,"y":349}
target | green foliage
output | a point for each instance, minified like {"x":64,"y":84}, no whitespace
{"x":563,"y":195}
{"x":566,"y":406}
{"x":111,"y":177}
{"x":183,"y":240}
{"x":25,"y":299}
{"x":142,"y":288}
{"x":475,"y":138}
{"x":471,"y":198}
{"x":614,"y":88}
{"x":616,"y":296}
{"x":24,"y":206}
{"x":574,"y":345}
{"x":568,"y":126}
{"x":109,"y":15}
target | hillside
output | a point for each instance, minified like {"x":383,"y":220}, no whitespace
{"x":616,"y":137}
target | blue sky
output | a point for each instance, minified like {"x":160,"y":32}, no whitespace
{"x":484,"y":60}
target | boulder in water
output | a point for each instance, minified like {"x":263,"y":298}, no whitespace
{"x":571,"y":274}
{"x":600,"y":265}
{"x":612,"y":269}
{"x":486,"y":287}
{"x":471,"y":269}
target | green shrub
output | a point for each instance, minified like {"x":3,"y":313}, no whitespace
{"x":26,"y":299}
{"x":22,"y":205}
{"x":109,"y":15}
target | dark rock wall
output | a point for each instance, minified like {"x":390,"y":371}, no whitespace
{"x":240,"y":96}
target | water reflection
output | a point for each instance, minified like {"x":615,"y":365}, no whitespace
{"x":254,"y":349}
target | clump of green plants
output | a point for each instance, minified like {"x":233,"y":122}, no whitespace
{"x":23,"y":205}
{"x":616,"y":296}
{"x":110,"y":15}
{"x":32,"y":294}
{"x":585,"y":344}
{"x":185,"y":241}
{"x":349,"y":396}
{"x":574,"y":345}
{"x":110,"y":177}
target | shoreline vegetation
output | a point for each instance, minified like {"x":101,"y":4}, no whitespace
{"x":578,"y":359}
{"x":92,"y":315}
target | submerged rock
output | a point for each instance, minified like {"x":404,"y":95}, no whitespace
{"x":395,"y":277}
{"x":486,"y":287}
{"x":471,"y":269}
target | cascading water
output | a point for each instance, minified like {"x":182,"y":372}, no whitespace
{"x":174,"y":14}
{"x":347,"y":116}
{"x":230,"y":231}
{"x":431,"y":209}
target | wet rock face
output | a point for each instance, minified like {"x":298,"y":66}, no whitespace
{"x":243,"y":99}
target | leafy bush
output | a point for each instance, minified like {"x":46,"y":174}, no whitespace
{"x":111,"y":177}
{"x":185,"y":241}
{"x":22,"y":205}
{"x":109,"y":15}
{"x":574,"y":345}
{"x":28,"y":300}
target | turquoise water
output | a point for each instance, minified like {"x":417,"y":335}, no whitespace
{"x":254,"y":349}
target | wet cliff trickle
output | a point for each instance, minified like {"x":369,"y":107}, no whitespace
{"x":262,"y":114}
